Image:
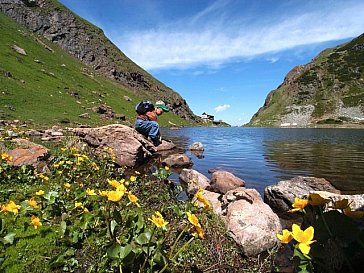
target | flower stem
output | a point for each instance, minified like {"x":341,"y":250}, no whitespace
{"x":146,"y":258}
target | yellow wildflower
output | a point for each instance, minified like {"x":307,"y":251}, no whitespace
{"x":114,"y":196}
{"x":36,"y":222}
{"x":285,"y":237}
{"x":199,"y":196}
{"x":303,"y":237}
{"x":136,"y":172}
{"x":40,"y":192}
{"x":103,"y":193}
{"x":90,"y":192}
{"x":158,"y":220}
{"x":79,"y":205}
{"x":199,"y":232}
{"x":356,"y":214}
{"x":299,"y":204}
{"x":133,"y":199}
{"x":43,"y":177}
{"x":75,"y":149}
{"x":10,"y":207}
{"x":67,"y":186}
{"x":33,"y":203}
{"x":121,"y":187}
{"x":132,"y":178}
{"x":316,"y":199}
{"x":166,"y":168}
{"x":63,"y":149}
{"x":341,"y":204}
{"x":193,"y":219}
{"x":113,"y":183}
{"x":69,"y":162}
{"x":5,"y":156}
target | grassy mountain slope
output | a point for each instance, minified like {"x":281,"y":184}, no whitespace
{"x":328,"y":90}
{"x":49,"y":86}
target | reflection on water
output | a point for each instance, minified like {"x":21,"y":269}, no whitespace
{"x":264,"y":156}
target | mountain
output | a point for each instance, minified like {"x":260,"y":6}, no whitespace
{"x":328,"y":90}
{"x":51,"y":26}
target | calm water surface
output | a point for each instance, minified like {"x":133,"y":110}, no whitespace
{"x":264,"y":156}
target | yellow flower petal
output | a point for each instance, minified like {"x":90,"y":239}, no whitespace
{"x":353,"y":214}
{"x":341,"y":204}
{"x":305,"y":249}
{"x":40,"y":192}
{"x":316,"y":199}
{"x":115,"y":196}
{"x":299,"y":204}
{"x":158,"y":220}
{"x":285,"y":237}
{"x":36,"y":221}
{"x":193,"y":219}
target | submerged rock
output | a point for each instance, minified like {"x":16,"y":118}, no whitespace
{"x":223,"y":181}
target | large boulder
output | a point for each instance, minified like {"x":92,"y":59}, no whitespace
{"x":194,"y":180}
{"x":26,"y":152}
{"x":223,"y":181}
{"x":129,"y":147}
{"x":251,"y":222}
{"x":280,"y":197}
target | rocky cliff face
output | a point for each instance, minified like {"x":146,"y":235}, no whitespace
{"x":88,"y":44}
{"x":328,"y":90}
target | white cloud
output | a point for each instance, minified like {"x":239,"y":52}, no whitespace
{"x":213,"y":42}
{"x":221,"y":108}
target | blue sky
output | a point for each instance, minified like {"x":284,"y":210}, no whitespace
{"x":223,"y":56}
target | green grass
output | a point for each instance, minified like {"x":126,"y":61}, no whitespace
{"x":49,"y":87}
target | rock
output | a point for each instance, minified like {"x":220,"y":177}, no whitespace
{"x":356,"y":201}
{"x":194,"y":180}
{"x":165,"y":146}
{"x":120,"y":116}
{"x":19,"y":50}
{"x":127,"y":98}
{"x":223,"y":182}
{"x":85,"y":115}
{"x":130,"y":147}
{"x":251,"y":222}
{"x":280,"y":197}
{"x":178,"y":161}
{"x":29,"y":153}
{"x":196,"y":146}
{"x":11,"y":134}
{"x":198,"y":154}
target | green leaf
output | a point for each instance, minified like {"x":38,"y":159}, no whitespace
{"x":113,"y":224}
{"x":117,"y":251}
{"x":63,"y":227}
{"x":340,"y":226}
{"x":51,"y":197}
{"x":117,"y":216}
{"x":143,"y":238}
{"x":9,"y":238}
{"x":140,"y":223}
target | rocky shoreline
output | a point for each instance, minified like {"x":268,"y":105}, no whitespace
{"x":252,"y":221}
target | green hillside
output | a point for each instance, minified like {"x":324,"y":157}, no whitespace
{"x":327,"y":91}
{"x":47,"y":86}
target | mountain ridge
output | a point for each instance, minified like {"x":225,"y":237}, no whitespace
{"x":327,"y":90}
{"x":87,"y":43}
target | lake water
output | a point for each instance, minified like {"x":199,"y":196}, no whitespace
{"x":264,"y":156}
